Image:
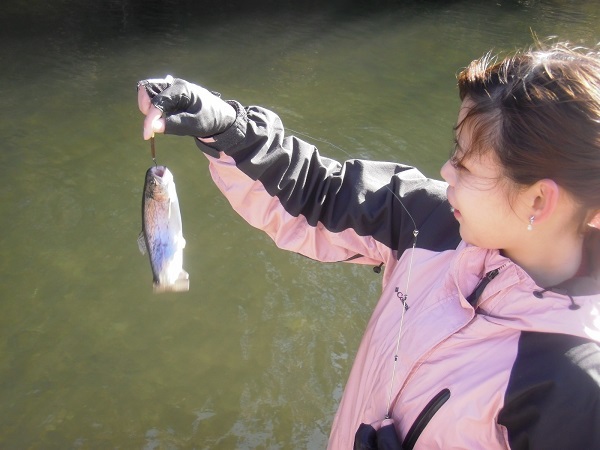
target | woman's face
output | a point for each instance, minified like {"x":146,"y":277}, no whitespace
{"x":479,"y":194}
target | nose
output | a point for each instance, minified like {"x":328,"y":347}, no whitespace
{"x":447,"y":172}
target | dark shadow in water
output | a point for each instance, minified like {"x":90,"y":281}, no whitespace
{"x":110,"y":18}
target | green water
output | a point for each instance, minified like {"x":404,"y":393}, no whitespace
{"x":257,"y":353}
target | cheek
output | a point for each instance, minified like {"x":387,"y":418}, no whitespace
{"x":481,"y":204}
{"x":487,"y":213}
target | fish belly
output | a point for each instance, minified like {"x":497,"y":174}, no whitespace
{"x":165,"y":244}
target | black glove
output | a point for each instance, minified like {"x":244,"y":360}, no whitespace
{"x":189,"y":109}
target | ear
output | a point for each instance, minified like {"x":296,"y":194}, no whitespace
{"x":543,"y":199}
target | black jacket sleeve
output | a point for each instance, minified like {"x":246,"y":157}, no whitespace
{"x":553,"y":396}
{"x":375,"y":199}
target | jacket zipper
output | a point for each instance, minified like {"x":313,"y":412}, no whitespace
{"x":472,"y":299}
{"x":424,"y":418}
{"x":442,"y":397}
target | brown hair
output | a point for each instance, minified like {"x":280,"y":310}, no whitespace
{"x":540,"y":112}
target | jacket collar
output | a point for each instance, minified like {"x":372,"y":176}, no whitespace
{"x":476,"y":262}
{"x":514,"y":300}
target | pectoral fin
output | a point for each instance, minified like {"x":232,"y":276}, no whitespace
{"x":142,"y":243}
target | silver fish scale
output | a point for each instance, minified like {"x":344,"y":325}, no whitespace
{"x":162,"y":236}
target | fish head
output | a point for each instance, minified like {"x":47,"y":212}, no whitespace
{"x":158,"y":179}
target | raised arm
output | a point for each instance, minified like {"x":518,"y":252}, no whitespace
{"x":330,"y":211}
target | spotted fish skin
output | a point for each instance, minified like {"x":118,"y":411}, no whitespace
{"x":162,"y":232}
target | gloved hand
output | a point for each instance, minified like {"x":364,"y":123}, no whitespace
{"x":175,"y":106}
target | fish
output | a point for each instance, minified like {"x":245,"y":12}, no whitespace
{"x":161,"y":237}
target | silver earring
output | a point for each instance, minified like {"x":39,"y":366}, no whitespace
{"x":530,"y":225}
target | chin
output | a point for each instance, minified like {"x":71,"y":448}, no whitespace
{"x":464,"y":236}
{"x":469,"y":239}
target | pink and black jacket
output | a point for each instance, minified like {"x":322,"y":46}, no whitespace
{"x":487,"y":359}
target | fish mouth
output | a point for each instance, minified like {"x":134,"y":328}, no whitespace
{"x":159,"y":176}
{"x":158,"y":171}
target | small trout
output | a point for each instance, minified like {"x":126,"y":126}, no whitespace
{"x":162,"y":237}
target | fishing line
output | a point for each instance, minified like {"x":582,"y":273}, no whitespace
{"x":153,"y":151}
{"x":402,"y":296}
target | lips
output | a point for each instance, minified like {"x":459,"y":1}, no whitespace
{"x":455,"y":211}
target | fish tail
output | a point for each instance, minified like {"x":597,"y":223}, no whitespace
{"x":181,"y":284}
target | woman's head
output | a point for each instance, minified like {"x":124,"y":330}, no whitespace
{"x":539,"y":111}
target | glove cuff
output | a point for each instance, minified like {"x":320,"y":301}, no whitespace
{"x":231,"y":136}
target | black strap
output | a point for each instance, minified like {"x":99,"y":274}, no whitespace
{"x":424,"y":418}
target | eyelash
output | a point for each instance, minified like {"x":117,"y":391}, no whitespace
{"x":454,"y":162}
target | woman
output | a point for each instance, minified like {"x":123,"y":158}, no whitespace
{"x":487,"y":332}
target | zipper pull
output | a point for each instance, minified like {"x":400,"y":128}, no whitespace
{"x":492,"y":274}
{"x":472,"y":299}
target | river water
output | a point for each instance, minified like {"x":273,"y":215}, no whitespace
{"x":256,"y":355}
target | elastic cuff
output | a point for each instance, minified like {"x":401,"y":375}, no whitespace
{"x":205,"y":148}
{"x":231,"y":136}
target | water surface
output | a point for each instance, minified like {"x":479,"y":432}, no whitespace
{"x":257,"y":353}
